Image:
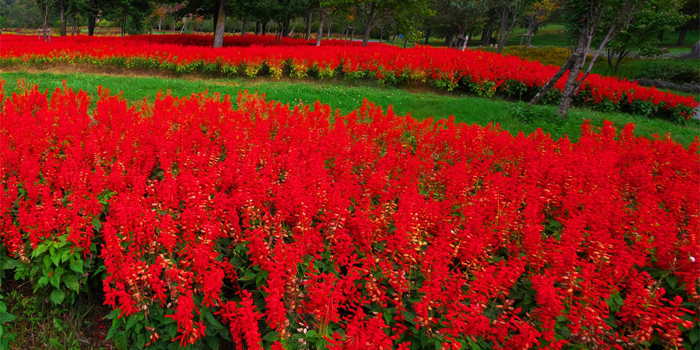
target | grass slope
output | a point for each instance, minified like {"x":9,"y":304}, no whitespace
{"x":348,"y":95}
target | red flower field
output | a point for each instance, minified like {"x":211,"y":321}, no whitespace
{"x":478,"y":72}
{"x":277,"y":227}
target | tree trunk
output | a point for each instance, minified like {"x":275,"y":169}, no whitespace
{"x":245,"y":26}
{"x":681,"y":37}
{"x":611,"y":58}
{"x":124,"y":25}
{"x":661,"y":37}
{"x":532,"y":24}
{"x":322,"y":14}
{"x":220,"y":25}
{"x":64,"y":19}
{"x":504,"y":29}
{"x":91,"y":23}
{"x":365,"y":38}
{"x":548,"y":86}
{"x":576,"y":58}
{"x":257,"y":27}
{"x":263,"y":28}
{"x":427,"y":36}
{"x":460,"y":38}
{"x":330,"y":28}
{"x":486,"y":36}
{"x":622,"y":55}
{"x":571,"y":86}
{"x":381,"y":33}
{"x":449,"y":36}
{"x":308,"y":25}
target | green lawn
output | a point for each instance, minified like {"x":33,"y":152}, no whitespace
{"x":348,"y":95}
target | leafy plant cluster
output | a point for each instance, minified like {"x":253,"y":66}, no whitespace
{"x":270,"y":227}
{"x":478,"y":72}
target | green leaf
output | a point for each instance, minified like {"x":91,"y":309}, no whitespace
{"x":96,"y":224}
{"x":672,"y":281}
{"x":112,"y":314}
{"x":409,"y":316}
{"x":42,"y":281}
{"x":140,"y":341}
{"x":387,"y":316}
{"x":55,"y":280}
{"x":40,"y":249}
{"x":47,"y":261}
{"x":213,"y":343}
{"x":131,"y":322}
{"x":99,"y":269}
{"x":56,"y":259}
{"x":77,"y":266}
{"x":66,"y":255}
{"x":71,"y":281}
{"x":172,"y":330}
{"x":272,"y":336}
{"x":694,"y":335}
{"x":6,"y":317}
{"x":57,"y":296}
{"x":10,"y":264}
{"x":213,"y":322}
{"x":615,"y":302}
{"x":610,"y":321}
{"x":311,"y":334}
{"x":111,"y":332}
{"x":120,"y":341}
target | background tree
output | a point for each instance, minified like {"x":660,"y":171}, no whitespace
{"x":44,"y":7}
{"x":642,"y":35}
{"x":583,"y":20}
{"x":536,"y":14}
{"x":692,"y":10}
{"x":508,"y":12}
{"x":22,"y":14}
{"x":460,"y":16}
{"x":374,"y":13}
{"x":129,"y":13}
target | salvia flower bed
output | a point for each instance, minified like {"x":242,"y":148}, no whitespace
{"x":474,"y":71}
{"x":215,"y":220}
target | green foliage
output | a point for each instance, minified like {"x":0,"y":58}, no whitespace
{"x":5,"y":317}
{"x":641,"y":36}
{"x":55,"y":267}
{"x":40,"y":324}
{"x":528,"y":114}
{"x":22,"y":14}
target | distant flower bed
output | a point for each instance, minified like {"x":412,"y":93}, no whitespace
{"x":99,"y":31}
{"x":478,"y":72}
{"x":239,"y":40}
{"x":279,"y":228}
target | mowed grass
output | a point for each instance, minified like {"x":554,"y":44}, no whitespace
{"x":348,"y":95}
